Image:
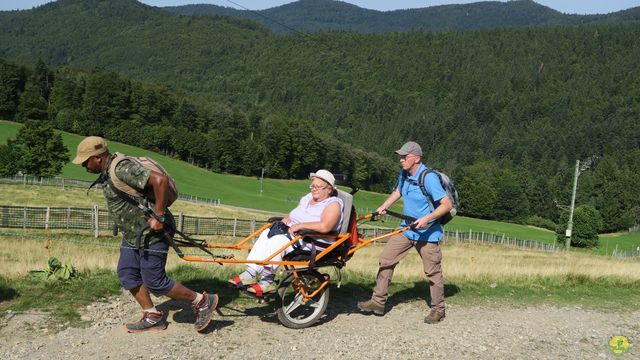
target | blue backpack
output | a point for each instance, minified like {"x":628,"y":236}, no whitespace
{"x":448,"y":187}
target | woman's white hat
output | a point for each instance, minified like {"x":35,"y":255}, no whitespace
{"x":324,"y":175}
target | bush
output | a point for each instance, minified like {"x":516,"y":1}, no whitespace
{"x":587,"y":223}
{"x":541,"y":222}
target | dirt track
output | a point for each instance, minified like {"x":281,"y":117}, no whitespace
{"x":240,"y":333}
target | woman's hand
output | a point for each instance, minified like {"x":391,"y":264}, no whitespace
{"x":293,"y":229}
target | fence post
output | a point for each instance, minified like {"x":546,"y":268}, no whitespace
{"x":235,"y":225}
{"x":95,"y":218}
{"x":46,"y":218}
{"x":24,"y":180}
{"x":62,"y":183}
{"x":180,"y":222}
{"x":68,"y":216}
{"x":198,"y":226}
{"x":24,"y":218}
{"x":252,"y":226}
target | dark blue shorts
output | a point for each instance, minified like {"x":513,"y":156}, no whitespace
{"x":137,"y":267}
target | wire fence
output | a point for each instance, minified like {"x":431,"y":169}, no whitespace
{"x":97,"y":220}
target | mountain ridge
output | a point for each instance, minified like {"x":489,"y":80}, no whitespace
{"x":330,"y":15}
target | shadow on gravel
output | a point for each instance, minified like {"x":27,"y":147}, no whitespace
{"x":420,"y":290}
{"x":7,"y":293}
{"x":344,"y":299}
{"x":182,"y":312}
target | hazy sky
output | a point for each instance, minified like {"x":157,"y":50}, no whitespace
{"x":565,"y":6}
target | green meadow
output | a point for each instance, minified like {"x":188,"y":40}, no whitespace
{"x":282,"y":195}
{"x":277,"y":195}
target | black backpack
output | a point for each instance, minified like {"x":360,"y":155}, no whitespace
{"x":448,"y":187}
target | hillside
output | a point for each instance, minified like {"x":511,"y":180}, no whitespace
{"x":506,"y":112}
{"x":277,"y":195}
{"x":329,"y":15}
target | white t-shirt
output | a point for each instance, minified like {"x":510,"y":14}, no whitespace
{"x":305,"y":212}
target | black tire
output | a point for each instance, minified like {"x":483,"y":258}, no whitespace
{"x":291,"y":312}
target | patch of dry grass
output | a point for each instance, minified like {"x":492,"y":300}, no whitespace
{"x":26,"y":251}
{"x":475,"y":262}
{"x":21,"y":252}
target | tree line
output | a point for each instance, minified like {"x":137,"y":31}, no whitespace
{"x":505,"y":112}
{"x":207,"y":134}
{"x":223,"y":139}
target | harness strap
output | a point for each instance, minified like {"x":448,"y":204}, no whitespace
{"x":149,"y":213}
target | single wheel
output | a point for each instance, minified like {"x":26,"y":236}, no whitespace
{"x":292,"y":311}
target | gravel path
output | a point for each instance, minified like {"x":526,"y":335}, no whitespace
{"x":240,"y":333}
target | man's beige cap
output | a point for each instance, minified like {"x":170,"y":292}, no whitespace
{"x":90,"y":146}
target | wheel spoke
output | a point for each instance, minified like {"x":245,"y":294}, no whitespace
{"x":295,"y":309}
{"x":296,"y":303}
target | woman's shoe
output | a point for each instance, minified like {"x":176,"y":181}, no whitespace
{"x":240,"y":283}
{"x":261,"y":289}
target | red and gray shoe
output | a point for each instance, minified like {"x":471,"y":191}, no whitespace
{"x":151,"y":321}
{"x":204,"y":311}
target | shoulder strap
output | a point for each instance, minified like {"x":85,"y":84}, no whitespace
{"x":423,"y":187}
{"x":403,"y":178}
{"x":116,"y":182}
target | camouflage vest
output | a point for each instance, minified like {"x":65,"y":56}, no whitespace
{"x":129,"y":218}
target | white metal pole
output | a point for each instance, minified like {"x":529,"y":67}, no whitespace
{"x":573,"y":203}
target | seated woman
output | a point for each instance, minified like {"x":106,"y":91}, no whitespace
{"x":319,"y":211}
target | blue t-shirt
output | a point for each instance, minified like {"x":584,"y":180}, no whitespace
{"x":416,"y":204}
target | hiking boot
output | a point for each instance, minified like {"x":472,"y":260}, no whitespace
{"x":204,"y":311}
{"x":434,"y":317}
{"x":151,"y":321}
{"x":370,"y":306}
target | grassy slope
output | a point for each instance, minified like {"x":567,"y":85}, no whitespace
{"x":282,"y":195}
{"x":278,"y":195}
{"x":626,"y":242}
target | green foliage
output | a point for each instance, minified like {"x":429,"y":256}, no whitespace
{"x":56,"y":271}
{"x":613,"y":187}
{"x":37,"y":150}
{"x":587,"y":223}
{"x":9,"y":160}
{"x":62,"y":298}
{"x":541,"y":222}
{"x":12,"y":81}
{"x":33,"y":106}
{"x":529,"y":100}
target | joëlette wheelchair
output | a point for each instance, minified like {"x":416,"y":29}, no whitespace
{"x":303,"y":293}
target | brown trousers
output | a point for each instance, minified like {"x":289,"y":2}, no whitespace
{"x":395,"y":250}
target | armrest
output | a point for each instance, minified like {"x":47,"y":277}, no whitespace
{"x":311,"y":232}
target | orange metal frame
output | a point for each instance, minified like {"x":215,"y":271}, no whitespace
{"x":242,"y":245}
{"x":290,"y":264}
